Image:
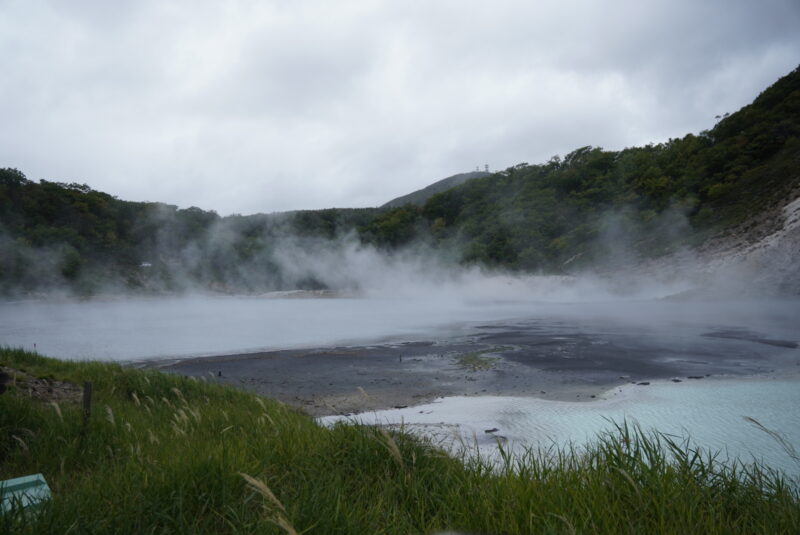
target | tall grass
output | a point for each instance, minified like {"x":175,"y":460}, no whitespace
{"x":166,"y":454}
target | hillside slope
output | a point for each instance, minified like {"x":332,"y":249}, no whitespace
{"x":585,"y":208}
{"x":421,"y":195}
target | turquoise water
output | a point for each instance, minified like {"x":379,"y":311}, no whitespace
{"x":712,"y":413}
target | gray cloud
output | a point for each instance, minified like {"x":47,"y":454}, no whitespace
{"x":266,"y":106}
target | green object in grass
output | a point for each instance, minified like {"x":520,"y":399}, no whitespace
{"x":26,"y":491}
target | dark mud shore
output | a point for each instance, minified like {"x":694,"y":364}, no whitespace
{"x":550,"y":360}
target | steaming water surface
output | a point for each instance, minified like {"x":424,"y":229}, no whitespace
{"x":123,"y":330}
{"x":148,"y":328}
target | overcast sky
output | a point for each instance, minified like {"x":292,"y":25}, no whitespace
{"x":261,"y":106}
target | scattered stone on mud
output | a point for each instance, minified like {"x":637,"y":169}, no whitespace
{"x":44,"y":389}
{"x":558,"y":362}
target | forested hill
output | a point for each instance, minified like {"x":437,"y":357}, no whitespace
{"x":567,"y":213}
{"x":534,"y":216}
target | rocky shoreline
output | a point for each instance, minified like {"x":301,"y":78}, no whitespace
{"x":544,"y":359}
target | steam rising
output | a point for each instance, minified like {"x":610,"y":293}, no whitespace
{"x":418,"y":290}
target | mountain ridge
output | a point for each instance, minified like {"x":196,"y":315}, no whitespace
{"x":420,"y":196}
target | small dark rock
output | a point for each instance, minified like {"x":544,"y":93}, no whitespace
{"x":643,"y":383}
{"x":676,"y":380}
{"x":219,"y":374}
{"x":695,"y":377}
{"x":592,"y":396}
{"x":492,"y":430}
{"x":400,"y":406}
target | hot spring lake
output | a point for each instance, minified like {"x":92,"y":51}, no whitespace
{"x":745,"y":351}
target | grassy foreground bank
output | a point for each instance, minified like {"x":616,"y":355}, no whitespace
{"x":165,"y":454}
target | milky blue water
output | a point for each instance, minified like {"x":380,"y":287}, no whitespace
{"x":712,"y":413}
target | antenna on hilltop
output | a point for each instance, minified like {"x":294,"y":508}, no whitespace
{"x":486,"y":167}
